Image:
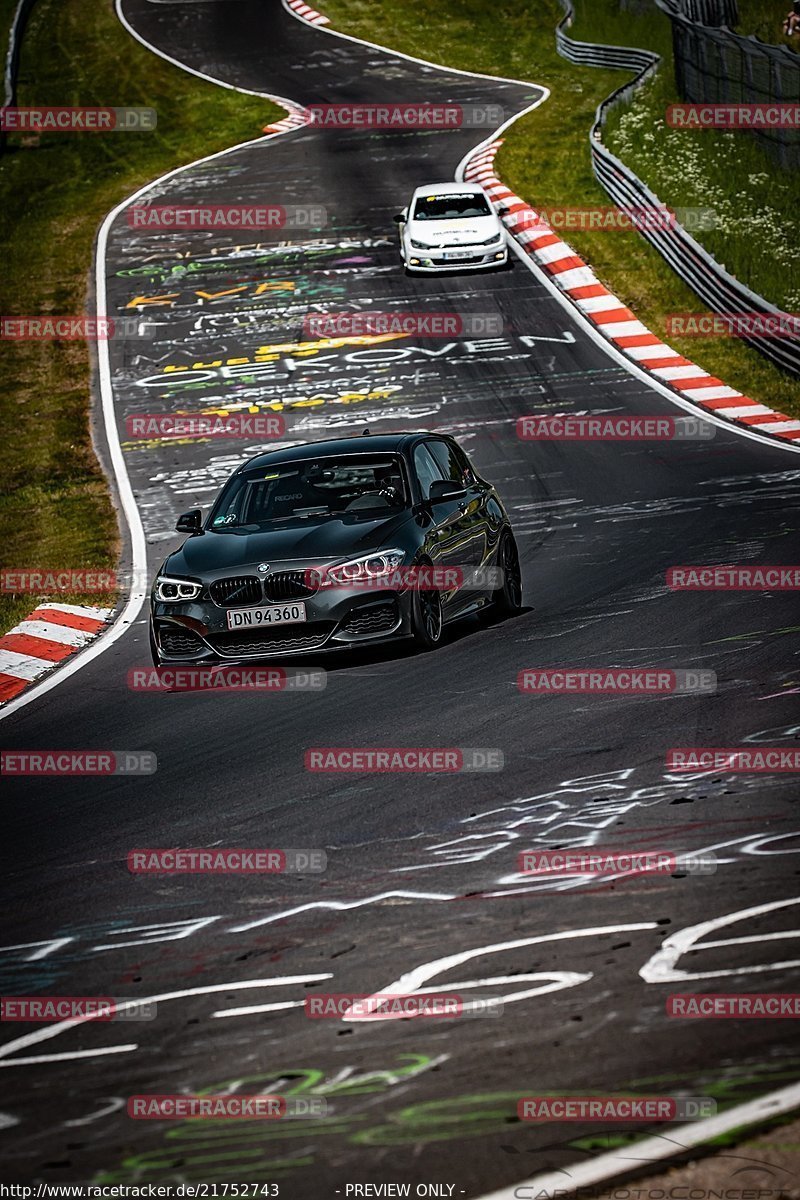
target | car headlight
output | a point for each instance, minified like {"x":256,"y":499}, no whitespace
{"x":498,"y":237}
{"x":175,"y":590}
{"x":420,"y":245}
{"x":363,"y":570}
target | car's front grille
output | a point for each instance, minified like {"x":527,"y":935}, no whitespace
{"x":239,"y":591}
{"x":475,"y":258}
{"x":236,"y":591}
{"x":178,"y":642}
{"x":258,"y":643}
{"x":373,"y":619}
{"x":289,"y":585}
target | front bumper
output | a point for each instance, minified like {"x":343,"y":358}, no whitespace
{"x":479,"y":259}
{"x":337,"y":618}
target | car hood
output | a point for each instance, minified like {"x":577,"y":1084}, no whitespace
{"x":467,"y":230}
{"x":295,"y":543}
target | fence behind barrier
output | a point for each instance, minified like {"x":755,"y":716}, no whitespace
{"x":711,"y":282}
{"x":718,"y":66}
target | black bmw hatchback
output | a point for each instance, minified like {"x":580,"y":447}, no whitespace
{"x":334,"y":544}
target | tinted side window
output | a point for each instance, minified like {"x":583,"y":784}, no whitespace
{"x":427,"y":469}
{"x":449,"y":461}
{"x":468,"y":475}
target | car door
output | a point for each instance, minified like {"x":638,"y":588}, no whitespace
{"x":490,"y":514}
{"x":474,"y":528}
{"x":444,"y":536}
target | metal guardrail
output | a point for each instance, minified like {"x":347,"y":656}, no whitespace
{"x":18,"y":23}
{"x":591,"y":54}
{"x":719,"y":290}
{"x":714,"y":65}
{"x":709,"y":12}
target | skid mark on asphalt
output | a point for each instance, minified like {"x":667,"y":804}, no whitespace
{"x":499,"y":376}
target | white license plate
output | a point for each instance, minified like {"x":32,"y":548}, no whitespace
{"x":458,"y":254}
{"x":275,"y":614}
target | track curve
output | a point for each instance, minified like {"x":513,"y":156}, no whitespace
{"x":419,"y":868}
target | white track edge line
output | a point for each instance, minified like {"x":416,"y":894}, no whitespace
{"x":287,"y":104}
{"x":655,"y":1149}
{"x":773,"y":1103}
{"x":593,"y":332}
{"x":130,"y":612}
{"x":130,"y":511}
{"x":629,"y":364}
{"x":13,"y":34}
{"x":423,"y":62}
{"x":773,"y":1099}
{"x":640,"y":373}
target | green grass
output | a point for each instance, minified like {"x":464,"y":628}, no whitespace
{"x":605,"y":24}
{"x":754,"y":201}
{"x":55,"y":190}
{"x":765,"y":19}
{"x":7,"y":8}
{"x":546,"y":159}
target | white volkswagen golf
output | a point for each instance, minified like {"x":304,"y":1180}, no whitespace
{"x":451,"y":226}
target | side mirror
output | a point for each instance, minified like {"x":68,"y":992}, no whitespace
{"x":502,"y":210}
{"x":445,"y":489}
{"x":190,"y":522}
{"x":399,"y":218}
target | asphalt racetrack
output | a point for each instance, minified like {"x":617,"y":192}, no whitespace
{"x":422,"y":868}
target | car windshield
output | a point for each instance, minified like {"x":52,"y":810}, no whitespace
{"x":311,"y":489}
{"x":452,"y":207}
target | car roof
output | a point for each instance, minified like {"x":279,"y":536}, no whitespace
{"x":448,"y":189}
{"x":381,"y":443}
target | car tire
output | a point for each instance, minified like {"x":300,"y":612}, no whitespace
{"x":427,"y":622}
{"x":507,"y":599}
